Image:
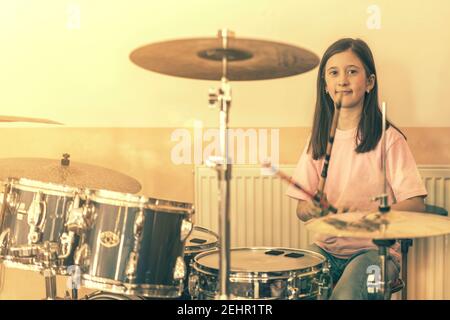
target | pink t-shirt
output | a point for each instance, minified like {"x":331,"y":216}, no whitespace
{"x":354,"y":179}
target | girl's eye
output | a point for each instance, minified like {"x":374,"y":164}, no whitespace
{"x":352,"y":71}
{"x":332,"y":73}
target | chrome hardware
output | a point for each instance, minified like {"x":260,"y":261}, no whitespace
{"x":130,"y":271}
{"x":139,"y":222}
{"x":11,"y":198}
{"x":80,"y":219}
{"x":325,"y":283}
{"x":186,"y":229}
{"x":4,"y":239}
{"x":180,"y":269}
{"x":193,"y":286}
{"x":82,"y":255}
{"x":67,"y":240}
{"x":292,"y":290}
{"x":36,"y":217}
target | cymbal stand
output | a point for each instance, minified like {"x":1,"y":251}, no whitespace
{"x":48,"y":257}
{"x":222,"y":165}
{"x":382,"y":289}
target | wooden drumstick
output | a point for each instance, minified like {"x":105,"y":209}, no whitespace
{"x":318,"y":197}
{"x":322,"y":202}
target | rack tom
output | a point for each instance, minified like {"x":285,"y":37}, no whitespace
{"x":134,"y":245}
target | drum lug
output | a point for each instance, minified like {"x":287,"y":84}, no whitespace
{"x":186,"y":229}
{"x":139,"y":224}
{"x":67,"y":240}
{"x":11,"y":198}
{"x":292,"y":290}
{"x":80,"y":218}
{"x":130,"y":271}
{"x":36,"y":217}
{"x":180,"y":269}
{"x":4,"y":239}
{"x":193,"y":286}
{"x":82,"y":255}
{"x":324,"y":283}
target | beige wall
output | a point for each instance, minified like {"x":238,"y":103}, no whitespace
{"x":75,"y":68}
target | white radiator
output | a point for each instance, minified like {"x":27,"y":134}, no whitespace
{"x":261,"y":215}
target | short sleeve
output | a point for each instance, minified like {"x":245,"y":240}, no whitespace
{"x":306,"y":175}
{"x":402,"y":172}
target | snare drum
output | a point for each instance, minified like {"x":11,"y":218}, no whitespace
{"x":134,"y":245}
{"x":259,"y":273}
{"x":33,"y":225}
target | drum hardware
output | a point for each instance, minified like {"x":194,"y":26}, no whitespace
{"x":222,"y":164}
{"x":36,"y":217}
{"x":134,"y":255}
{"x":325,"y":282}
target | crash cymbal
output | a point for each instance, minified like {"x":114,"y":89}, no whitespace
{"x":74,"y":174}
{"x":201,"y":58}
{"x":25,"y":119}
{"x":392,"y":225}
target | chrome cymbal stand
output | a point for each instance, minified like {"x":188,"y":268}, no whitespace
{"x":222,"y":164}
{"x":381,"y":289}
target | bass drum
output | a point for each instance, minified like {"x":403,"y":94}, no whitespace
{"x":100,"y":295}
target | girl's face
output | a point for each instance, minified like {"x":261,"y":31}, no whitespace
{"x":345,"y":74}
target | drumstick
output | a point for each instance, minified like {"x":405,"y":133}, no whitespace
{"x":323,"y":204}
{"x":334,"y":124}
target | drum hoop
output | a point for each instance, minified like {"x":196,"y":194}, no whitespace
{"x":202,"y":247}
{"x":250,"y":276}
{"x":146,"y":290}
{"x":134,"y":201}
{"x":48,"y":188}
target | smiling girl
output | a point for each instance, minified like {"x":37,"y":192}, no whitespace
{"x":347,"y":70}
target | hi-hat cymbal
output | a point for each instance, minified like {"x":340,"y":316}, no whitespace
{"x":392,"y":225}
{"x":74,"y":174}
{"x":26,"y":119}
{"x":201,"y":58}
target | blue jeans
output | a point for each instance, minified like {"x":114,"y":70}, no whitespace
{"x":350,"y":275}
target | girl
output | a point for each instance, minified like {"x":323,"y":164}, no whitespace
{"x":347,"y":71}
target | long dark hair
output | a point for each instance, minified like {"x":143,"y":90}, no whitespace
{"x":370,"y":124}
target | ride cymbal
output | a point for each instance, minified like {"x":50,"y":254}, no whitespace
{"x":201,"y":58}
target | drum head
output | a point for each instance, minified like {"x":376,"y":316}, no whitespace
{"x":263,"y":260}
{"x":201,"y":239}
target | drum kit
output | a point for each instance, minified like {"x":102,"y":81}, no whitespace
{"x":59,"y":217}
